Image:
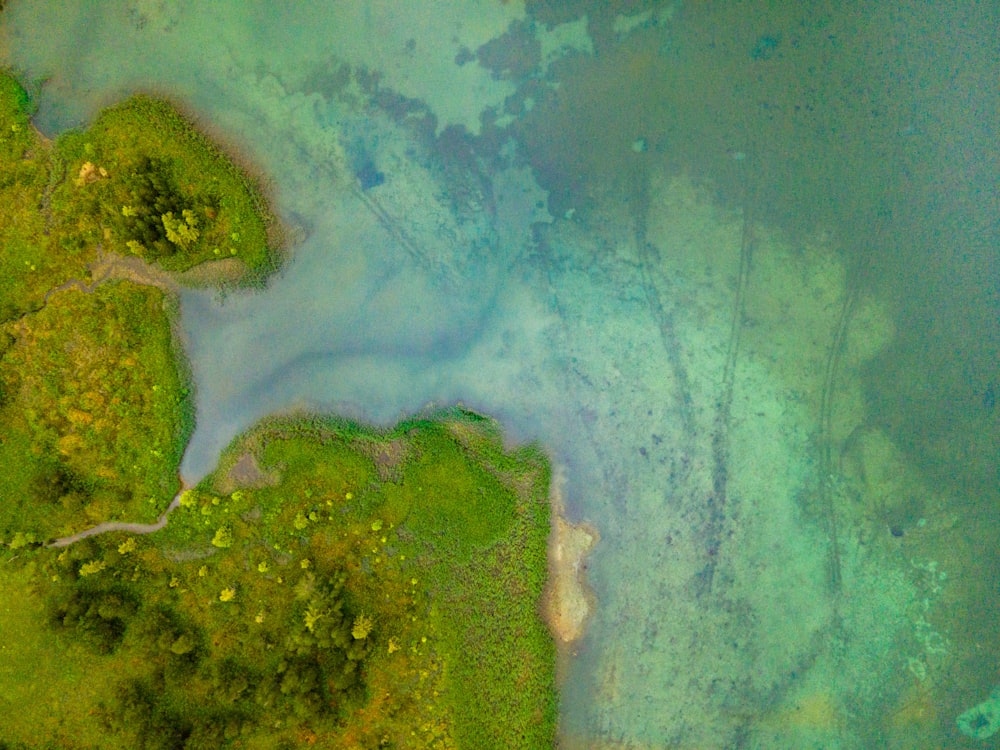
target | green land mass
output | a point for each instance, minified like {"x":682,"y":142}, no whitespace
{"x":330,"y":585}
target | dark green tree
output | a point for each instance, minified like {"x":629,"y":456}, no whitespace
{"x":143,"y":715}
{"x":172,"y":642}
{"x":150,"y":195}
{"x":99,"y":616}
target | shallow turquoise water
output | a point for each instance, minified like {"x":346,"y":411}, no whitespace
{"x":544,"y":215}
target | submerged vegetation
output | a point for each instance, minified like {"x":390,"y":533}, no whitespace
{"x":330,"y":585}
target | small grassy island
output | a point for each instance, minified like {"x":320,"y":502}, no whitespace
{"x":330,"y":585}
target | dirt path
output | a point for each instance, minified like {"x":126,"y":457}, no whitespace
{"x":133,"y":528}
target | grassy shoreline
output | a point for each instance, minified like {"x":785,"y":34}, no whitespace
{"x":420,"y":548}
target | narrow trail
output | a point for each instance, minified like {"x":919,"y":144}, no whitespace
{"x":719,"y":498}
{"x":830,"y":469}
{"x":715,"y":503}
{"x":132,"y":528}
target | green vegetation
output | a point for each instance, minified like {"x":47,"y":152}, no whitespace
{"x":333,"y":599}
{"x":94,"y":411}
{"x":329,"y":586}
{"x":142,"y":181}
{"x":32,"y":260}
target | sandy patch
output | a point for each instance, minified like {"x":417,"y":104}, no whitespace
{"x":213,"y":272}
{"x":388,"y":456}
{"x":568,"y":601}
{"x":111,"y":267}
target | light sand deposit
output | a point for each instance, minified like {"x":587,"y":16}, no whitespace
{"x":568,"y":600}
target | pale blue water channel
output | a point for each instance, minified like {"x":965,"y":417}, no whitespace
{"x":735,"y":269}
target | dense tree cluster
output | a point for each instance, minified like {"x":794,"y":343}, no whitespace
{"x":193,"y":692}
{"x":154,"y":220}
{"x":97,"y":615}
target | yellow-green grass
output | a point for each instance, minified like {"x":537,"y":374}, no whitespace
{"x":31,"y":261}
{"x":51,"y":682}
{"x":94,"y":411}
{"x":470,"y":522}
